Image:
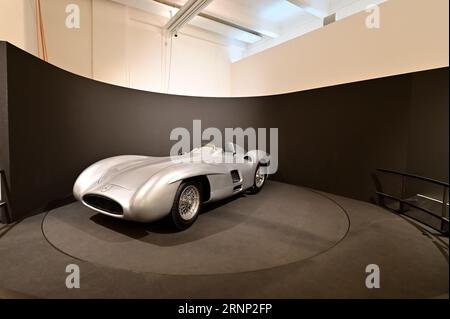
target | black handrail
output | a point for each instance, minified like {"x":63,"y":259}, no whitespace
{"x":5,"y":189}
{"x":403,"y":201}
{"x":422,"y":178}
{"x":429,"y":212}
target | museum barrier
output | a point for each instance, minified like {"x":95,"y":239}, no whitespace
{"x":407,"y":200}
{"x":5,"y":214}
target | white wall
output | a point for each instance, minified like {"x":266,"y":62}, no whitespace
{"x":147,"y":75}
{"x":203,"y":64}
{"x":17,"y":24}
{"x":413,"y":36}
{"x":121,"y":46}
{"x":124,"y":46}
{"x":130,"y":50}
{"x":70,"y":49}
{"x":109,"y":50}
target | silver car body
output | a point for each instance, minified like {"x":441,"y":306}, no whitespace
{"x":143,"y":189}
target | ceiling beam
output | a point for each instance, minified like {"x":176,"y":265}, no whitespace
{"x":225,"y":22}
{"x":186,"y":13}
{"x":232,"y":31}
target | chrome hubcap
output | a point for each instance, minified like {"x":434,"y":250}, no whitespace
{"x":189,"y":202}
{"x":259,"y":178}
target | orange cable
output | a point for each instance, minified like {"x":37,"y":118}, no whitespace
{"x":37,"y":28}
{"x":44,"y":45}
{"x":40,"y":31}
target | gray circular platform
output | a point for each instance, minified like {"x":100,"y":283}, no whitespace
{"x":280,"y":225}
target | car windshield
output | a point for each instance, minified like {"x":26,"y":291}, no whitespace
{"x":207,"y":146}
{"x":229,"y":148}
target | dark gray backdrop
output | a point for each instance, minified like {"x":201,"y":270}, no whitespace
{"x":330,"y":139}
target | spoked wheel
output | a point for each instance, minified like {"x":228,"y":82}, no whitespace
{"x":187,"y":204}
{"x":260,"y":180}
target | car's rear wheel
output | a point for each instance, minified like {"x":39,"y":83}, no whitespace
{"x":187,"y":204}
{"x":259,"y":180}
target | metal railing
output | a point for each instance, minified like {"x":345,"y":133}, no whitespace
{"x":404,"y":202}
{"x":5,"y":198}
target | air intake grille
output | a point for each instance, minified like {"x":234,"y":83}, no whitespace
{"x":103,"y":203}
{"x":235,"y":176}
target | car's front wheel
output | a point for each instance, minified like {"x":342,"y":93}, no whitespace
{"x":187,"y":204}
{"x":260,"y":179}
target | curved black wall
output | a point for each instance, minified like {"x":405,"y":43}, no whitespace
{"x":55,"y":123}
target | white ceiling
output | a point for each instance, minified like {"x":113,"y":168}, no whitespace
{"x":257,"y":25}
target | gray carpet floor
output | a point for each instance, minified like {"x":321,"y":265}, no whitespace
{"x":251,"y":232}
{"x":286,"y":242}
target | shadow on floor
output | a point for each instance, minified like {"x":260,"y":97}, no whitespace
{"x":158,"y":232}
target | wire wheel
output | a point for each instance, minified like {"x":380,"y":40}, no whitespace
{"x":260,"y":177}
{"x":189,"y":202}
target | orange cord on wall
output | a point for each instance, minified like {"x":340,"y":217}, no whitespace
{"x":37,"y":28}
{"x":40,"y":33}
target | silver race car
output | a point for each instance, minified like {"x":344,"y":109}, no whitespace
{"x":145,"y":189}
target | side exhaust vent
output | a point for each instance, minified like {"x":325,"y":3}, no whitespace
{"x":235,"y":176}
